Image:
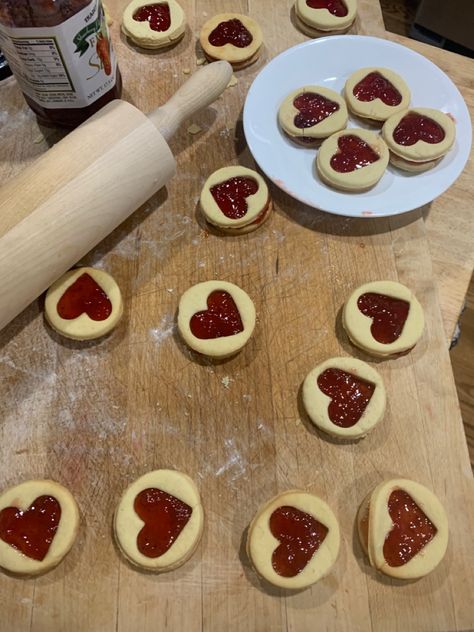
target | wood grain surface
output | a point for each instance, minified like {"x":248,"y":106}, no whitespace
{"x":95,"y":416}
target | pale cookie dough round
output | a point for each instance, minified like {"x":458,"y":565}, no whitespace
{"x":21,"y":497}
{"x":374,"y":524}
{"x":322,"y":20}
{"x":258,"y":204}
{"x":422,"y":155}
{"x":360,"y":179}
{"x":358,"y":325}
{"x":376,"y":110}
{"x":127,"y":523}
{"x":333,"y":123}
{"x":83,"y":327}
{"x":261,"y":543}
{"x":195,"y":300}
{"x":238,"y":57}
{"x":316,"y":402}
{"x":143,"y":35}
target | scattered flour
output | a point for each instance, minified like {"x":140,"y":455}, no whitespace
{"x":165,"y":330}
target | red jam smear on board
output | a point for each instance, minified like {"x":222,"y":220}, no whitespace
{"x":388,"y":315}
{"x":350,"y":396}
{"x":300,"y":536}
{"x":414,"y":127}
{"x":336,"y":7}
{"x":31,"y":531}
{"x":164,"y":515}
{"x":157,"y":15}
{"x":230,"y":195}
{"x":411,"y":531}
{"x":354,"y":154}
{"x":313,"y":108}
{"x":84,"y":296}
{"x":231,"y":32}
{"x":220,"y":319}
{"x":376,"y":86}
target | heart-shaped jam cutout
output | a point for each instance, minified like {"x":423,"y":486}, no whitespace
{"x":164,"y":515}
{"x":231,"y":32}
{"x":31,"y":531}
{"x":336,"y":7}
{"x":313,"y":108}
{"x":414,"y":127}
{"x":354,"y":153}
{"x":376,"y":86}
{"x":411,"y":531}
{"x":230,"y":195}
{"x":157,"y":15}
{"x":349,"y":395}
{"x":388,"y":315}
{"x":84,"y":296}
{"x":300,"y":536}
{"x":221,"y":318}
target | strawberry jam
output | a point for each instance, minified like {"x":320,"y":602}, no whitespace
{"x":231,"y":32}
{"x":164,"y":515}
{"x":411,"y":531}
{"x":300,"y":536}
{"x":230,"y":195}
{"x":31,"y":531}
{"x":349,"y":395}
{"x":414,"y":127}
{"x":375,"y":86}
{"x":157,"y":15}
{"x":84,"y":296}
{"x":313,"y":108}
{"x":388,"y":315}
{"x":336,"y":7}
{"x":221,"y":318}
{"x":354,"y":154}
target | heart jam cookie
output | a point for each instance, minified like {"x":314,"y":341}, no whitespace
{"x":85,"y":303}
{"x":216,"y":318}
{"x":418,"y":138}
{"x":153,"y":24}
{"x":383,"y":318}
{"x":235,"y":200}
{"x":293,"y":540}
{"x":376,"y":94}
{"x":233,"y":37}
{"x":312,"y":113}
{"x":159,"y":520}
{"x":403,"y":529}
{"x":39,"y":521}
{"x":344,"y":397}
{"x":316,"y":17}
{"x":352,"y":160}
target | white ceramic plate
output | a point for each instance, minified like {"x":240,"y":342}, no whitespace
{"x":328,"y":62}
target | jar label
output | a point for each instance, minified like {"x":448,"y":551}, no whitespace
{"x":66,"y":66}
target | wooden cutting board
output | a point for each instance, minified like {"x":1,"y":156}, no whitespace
{"x":95,"y":416}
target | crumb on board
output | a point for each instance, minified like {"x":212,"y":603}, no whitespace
{"x":194,"y":129}
{"x":39,"y":139}
{"x":226,"y":380}
{"x":200,"y":61}
{"x":232,"y":82}
{"x":186,"y":71}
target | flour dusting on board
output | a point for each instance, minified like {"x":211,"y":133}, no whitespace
{"x":166,"y":329}
{"x":235,"y":463}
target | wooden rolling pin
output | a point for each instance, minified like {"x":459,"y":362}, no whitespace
{"x":80,"y":190}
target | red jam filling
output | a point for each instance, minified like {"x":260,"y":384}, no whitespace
{"x":84,"y":296}
{"x":375,"y":86}
{"x":411,"y":531}
{"x":354,"y":154}
{"x":231,"y":32}
{"x":336,"y":7}
{"x":349,"y":395}
{"x":388,"y":315}
{"x":157,"y":15}
{"x":414,"y":127}
{"x":300,"y":536}
{"x":164,"y":515}
{"x":230,"y":195}
{"x":31,"y":531}
{"x":221,"y":318}
{"x":313,"y":108}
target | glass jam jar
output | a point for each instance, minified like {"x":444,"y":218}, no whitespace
{"x":62,"y":57}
